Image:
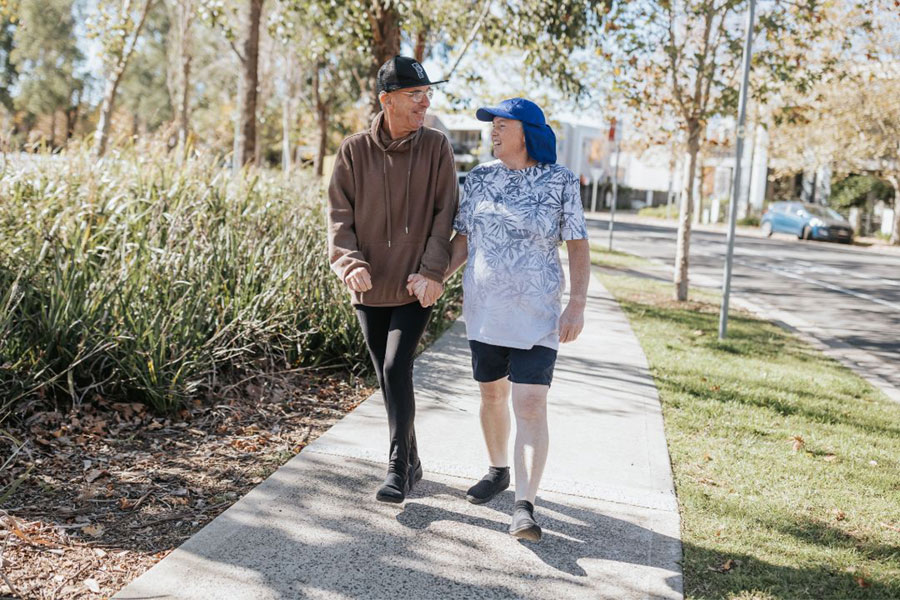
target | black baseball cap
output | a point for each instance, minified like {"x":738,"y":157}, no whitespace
{"x":402,"y":72}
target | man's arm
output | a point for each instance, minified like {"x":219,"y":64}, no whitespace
{"x":571,"y":322}
{"x":344,"y":255}
{"x":437,"y":246}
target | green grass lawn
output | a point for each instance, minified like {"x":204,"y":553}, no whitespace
{"x":786,"y":464}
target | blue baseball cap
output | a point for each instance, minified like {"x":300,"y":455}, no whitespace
{"x":540,"y":141}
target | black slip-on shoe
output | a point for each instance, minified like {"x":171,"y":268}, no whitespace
{"x":523,"y":525}
{"x":394,"y":489}
{"x":496,"y":480}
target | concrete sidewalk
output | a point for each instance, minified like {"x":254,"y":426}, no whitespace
{"x":607,"y":505}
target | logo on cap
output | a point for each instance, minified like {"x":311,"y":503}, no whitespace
{"x":419,"y":70}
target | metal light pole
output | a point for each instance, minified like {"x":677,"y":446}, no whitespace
{"x":614,"y":136}
{"x":736,"y":187}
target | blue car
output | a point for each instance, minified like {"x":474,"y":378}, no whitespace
{"x":807,"y":222}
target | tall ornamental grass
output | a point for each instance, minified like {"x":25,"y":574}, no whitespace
{"x":136,"y":278}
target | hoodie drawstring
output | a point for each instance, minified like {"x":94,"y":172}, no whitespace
{"x":387,"y":196}
{"x":387,"y":190}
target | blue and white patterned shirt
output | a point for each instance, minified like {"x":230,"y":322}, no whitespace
{"x":515,"y":221}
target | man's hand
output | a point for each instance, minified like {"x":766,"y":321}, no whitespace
{"x":423,"y":288}
{"x":571,"y":322}
{"x":359,"y":280}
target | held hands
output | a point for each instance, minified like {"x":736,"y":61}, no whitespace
{"x":571,"y":322}
{"x":426,"y":290}
{"x":359,"y":280}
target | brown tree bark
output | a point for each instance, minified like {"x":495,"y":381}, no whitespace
{"x":385,"y":22}
{"x":682,"y":251}
{"x":322,"y":114}
{"x":245,"y":145}
{"x":421,"y":48}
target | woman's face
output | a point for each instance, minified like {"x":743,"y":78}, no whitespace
{"x":508,"y":139}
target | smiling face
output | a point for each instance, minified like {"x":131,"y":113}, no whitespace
{"x":508,"y":140}
{"x":404,"y":115}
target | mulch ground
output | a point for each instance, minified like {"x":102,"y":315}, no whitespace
{"x":107,"y":490}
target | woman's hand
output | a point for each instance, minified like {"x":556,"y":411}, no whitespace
{"x":423,"y":288}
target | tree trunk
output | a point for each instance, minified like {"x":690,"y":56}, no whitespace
{"x":184,"y":101}
{"x":420,"y":49}
{"x":106,"y":109}
{"x":53,"y":129}
{"x":895,"y":234}
{"x":385,"y":41}
{"x":286,"y":136}
{"x":112,"y":83}
{"x":322,"y":112}
{"x":246,"y":144}
{"x":682,"y":251}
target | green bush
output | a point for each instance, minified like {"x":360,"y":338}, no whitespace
{"x":137,"y":279}
{"x":749,"y":221}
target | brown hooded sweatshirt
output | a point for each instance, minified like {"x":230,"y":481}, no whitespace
{"x":391,"y":205}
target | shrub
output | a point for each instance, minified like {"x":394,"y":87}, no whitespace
{"x":138,"y":279}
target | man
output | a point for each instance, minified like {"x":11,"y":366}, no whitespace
{"x":392,"y":199}
{"x":514,"y":214}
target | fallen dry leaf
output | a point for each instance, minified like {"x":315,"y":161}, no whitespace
{"x":92,"y":585}
{"x":829,"y":458}
{"x":862,"y":582}
{"x":839,"y":515}
{"x":93,"y":530}
{"x":95,"y":474}
{"x":798,"y":444}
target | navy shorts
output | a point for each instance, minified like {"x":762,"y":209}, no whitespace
{"x":490,"y":363}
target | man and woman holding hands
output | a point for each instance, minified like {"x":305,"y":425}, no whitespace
{"x":393,"y":207}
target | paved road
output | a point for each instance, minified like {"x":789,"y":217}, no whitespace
{"x":847,"y":298}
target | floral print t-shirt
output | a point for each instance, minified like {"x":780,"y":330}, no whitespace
{"x":514,"y":221}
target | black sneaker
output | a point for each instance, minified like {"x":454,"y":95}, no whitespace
{"x":496,"y":480}
{"x":523,"y":525}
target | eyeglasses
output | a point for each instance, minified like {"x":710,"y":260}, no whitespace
{"x":419,"y":94}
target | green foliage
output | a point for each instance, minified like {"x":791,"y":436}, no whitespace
{"x":785,"y":462}
{"x":749,"y":221}
{"x":659,"y":212}
{"x":136,"y":279}
{"x":46,"y":56}
{"x":8,"y":72}
{"x":853,"y":190}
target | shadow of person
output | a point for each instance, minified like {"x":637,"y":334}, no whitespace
{"x":572,"y":532}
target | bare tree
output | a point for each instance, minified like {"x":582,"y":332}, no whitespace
{"x":119,"y":29}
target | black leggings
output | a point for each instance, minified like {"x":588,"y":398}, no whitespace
{"x":392,"y":334}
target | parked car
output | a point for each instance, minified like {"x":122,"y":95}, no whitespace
{"x":806,"y":221}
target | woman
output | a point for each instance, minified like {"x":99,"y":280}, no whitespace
{"x":514,"y":214}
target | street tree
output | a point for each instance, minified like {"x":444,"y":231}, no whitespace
{"x":683,"y":57}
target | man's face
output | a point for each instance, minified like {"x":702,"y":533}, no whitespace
{"x":508,"y":138}
{"x":404,"y":110}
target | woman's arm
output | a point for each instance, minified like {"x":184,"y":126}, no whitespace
{"x":459,"y":253}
